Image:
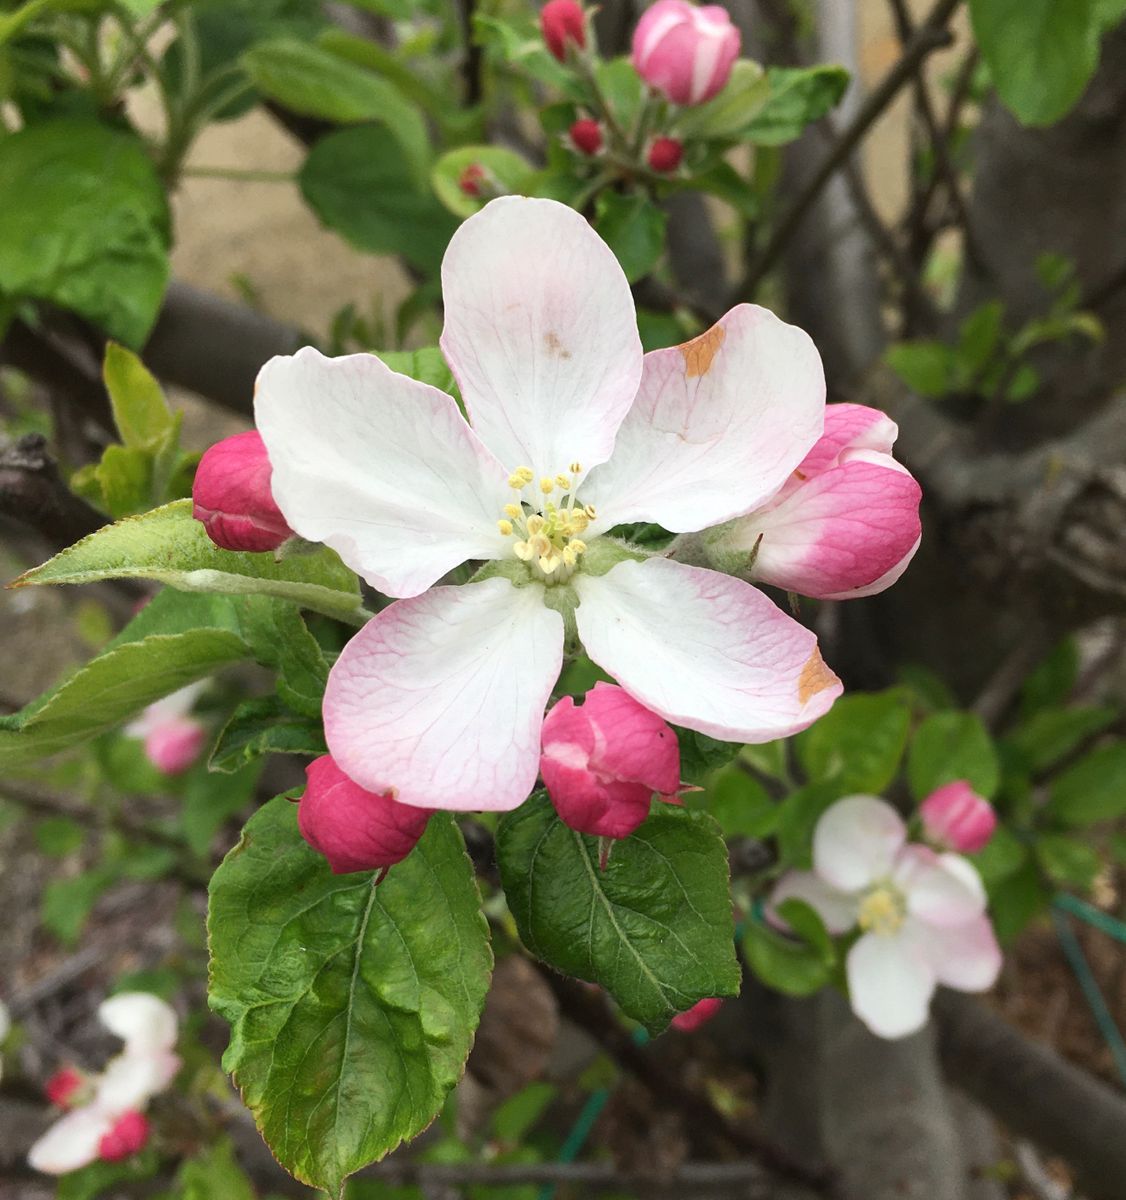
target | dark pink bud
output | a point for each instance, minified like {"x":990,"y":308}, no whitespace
{"x":685,"y":52}
{"x":129,"y":1134}
{"x":586,"y":136}
{"x":955,"y":817}
{"x":232,"y":497}
{"x":64,"y":1086}
{"x":563,"y":23}
{"x":665,"y":154}
{"x":602,"y":763}
{"x":356,"y":830}
{"x":471,"y":179}
{"x":699,"y":1014}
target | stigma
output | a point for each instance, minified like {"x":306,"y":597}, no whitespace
{"x":546,"y":522}
{"x":882,"y":911}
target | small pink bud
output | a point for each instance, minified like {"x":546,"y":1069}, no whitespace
{"x":129,"y":1134}
{"x":231,"y":495}
{"x":685,"y":52}
{"x":699,"y":1014}
{"x":63,"y":1087}
{"x":471,"y":179}
{"x":563,"y":23}
{"x":586,"y":136}
{"x":955,"y":817}
{"x":665,"y":154}
{"x":602,"y":762}
{"x":356,"y":830}
{"x":174,"y":744}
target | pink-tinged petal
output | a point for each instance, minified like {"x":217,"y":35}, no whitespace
{"x":966,"y":957}
{"x":941,"y":889}
{"x":131,"y":1080}
{"x":837,"y":909}
{"x":718,"y":425}
{"x":684,"y":51}
{"x":71,"y":1142}
{"x":704,"y":650}
{"x":173,"y":747}
{"x":956,"y":818}
{"x":631,"y":742}
{"x":699,"y":1014}
{"x":847,"y":532}
{"x":849,"y":427}
{"x":380,"y":467}
{"x":540,"y":333}
{"x":231,"y":495}
{"x":160,"y":712}
{"x":856,"y":842}
{"x":439,"y":700}
{"x":890,"y":984}
{"x":126,"y":1137}
{"x":143,"y":1021}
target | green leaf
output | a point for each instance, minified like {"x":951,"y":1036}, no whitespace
{"x":1068,"y":862}
{"x":806,"y":923}
{"x":95,"y":239}
{"x":265,"y":726}
{"x":727,"y":114}
{"x":59,"y":836}
{"x":98,"y":1178}
{"x":798,"y":97}
{"x":359,"y":184}
{"x":1092,"y":790}
{"x":505,"y":171}
{"x":1040,"y":53}
{"x":789,"y":966}
{"x":1052,"y":680}
{"x":654,"y":927}
{"x":1053,"y":733}
{"x":800,"y":813}
{"x":139,"y":409}
{"x":1003,"y":855}
{"x":739,"y":803}
{"x":859,"y":741}
{"x":168,"y":545}
{"x":949,"y":746}
{"x":978,"y":337}
{"x":214,"y":1174}
{"x":352,"y":1006}
{"x":700,"y":754}
{"x":1015,"y":901}
{"x":67,"y":902}
{"x":426,"y":365}
{"x":634,"y":228}
{"x":925,"y":367}
{"x":211,"y":800}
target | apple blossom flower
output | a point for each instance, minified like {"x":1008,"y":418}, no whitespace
{"x":109,"y":1123}
{"x":955,"y":817}
{"x":664,"y":155}
{"x":572,"y":431}
{"x":563,"y":24}
{"x":471,"y":178}
{"x":603,"y":762}
{"x":586,"y":136}
{"x":173,"y":738}
{"x":685,"y":52}
{"x":699,"y":1014}
{"x":231,"y":496}
{"x":65,"y":1088}
{"x":921,"y":914}
{"x":845,"y":524}
{"x":354,"y":829}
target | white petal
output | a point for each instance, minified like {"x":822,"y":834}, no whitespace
{"x":167,"y":709}
{"x":856,"y":842}
{"x":966,"y":957}
{"x":717,"y":427}
{"x":144,"y":1022}
{"x":704,"y":650}
{"x":942,"y":889}
{"x":836,"y":909}
{"x":890,"y":985}
{"x":540,"y":333}
{"x":131,"y":1080}
{"x":72,"y":1142}
{"x":440,"y":699}
{"x":380,"y":467}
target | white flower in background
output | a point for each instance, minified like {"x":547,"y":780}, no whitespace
{"x":921,"y":914}
{"x":572,"y":430}
{"x":108,"y":1122}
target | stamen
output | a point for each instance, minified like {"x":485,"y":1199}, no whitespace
{"x":521,"y":477}
{"x":576,"y":468}
{"x":564,"y":482}
{"x":522,"y":551}
{"x":505,"y":527}
{"x":547,"y":486}
{"x":514,"y":511}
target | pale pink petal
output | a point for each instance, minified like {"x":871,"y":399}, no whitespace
{"x":836,"y":909}
{"x":718,"y":425}
{"x":941,"y":889}
{"x":143,"y":1021}
{"x":71,"y":1142}
{"x":856,"y":842}
{"x":966,"y":957}
{"x":849,"y":427}
{"x":380,"y":467}
{"x":704,"y":650}
{"x":130,"y":1080}
{"x":631,"y":743}
{"x":890,"y":984}
{"x":439,"y":699}
{"x":540,"y":334}
{"x":169,"y":708}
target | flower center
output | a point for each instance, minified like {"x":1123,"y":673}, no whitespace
{"x":883,"y":910}
{"x":546,"y":523}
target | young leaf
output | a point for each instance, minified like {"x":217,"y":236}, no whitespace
{"x":785,"y":964}
{"x":264,"y":726}
{"x":1092,"y":790}
{"x":926,"y":367}
{"x":798,"y":96}
{"x":352,"y":1006}
{"x":634,"y":228}
{"x":653,"y":927}
{"x":139,"y":409}
{"x":859,"y":742}
{"x":949,"y":746}
{"x":505,"y":166}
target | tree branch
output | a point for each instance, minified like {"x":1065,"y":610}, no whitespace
{"x":33,"y":492}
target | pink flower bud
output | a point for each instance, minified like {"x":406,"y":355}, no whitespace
{"x":356,"y":830}
{"x":586,"y":136}
{"x":174,"y":745}
{"x":602,"y":762}
{"x":231,"y":495}
{"x":563,"y":23}
{"x":699,"y":1014}
{"x":63,"y":1088}
{"x":685,"y":52}
{"x":471,"y":178}
{"x":127,"y":1136}
{"x":665,"y":154}
{"x":956,"y":818}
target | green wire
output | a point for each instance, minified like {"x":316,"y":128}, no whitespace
{"x":1104,"y":922}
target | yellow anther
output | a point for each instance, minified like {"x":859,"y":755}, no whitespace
{"x":535,"y":524}
{"x":578,"y":546}
{"x":547,"y":486}
{"x":522,"y":551}
{"x":521,"y":477}
{"x":882,"y":911}
{"x":514,"y":511}
{"x":539,"y":544}
{"x":569,"y":556}
{"x":579,"y":521}
{"x":505,"y":527}
{"x":590,"y":511}
{"x":549,"y":562}
{"x":576,"y":468}
{"x":563,"y":481}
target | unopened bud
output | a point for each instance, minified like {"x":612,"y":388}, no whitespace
{"x":665,"y":154}
{"x":684,"y":52}
{"x":127,"y":1137}
{"x":563,"y":23}
{"x":586,"y":136}
{"x":956,"y":818}
{"x":700,"y":1013}
{"x":231,"y":496}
